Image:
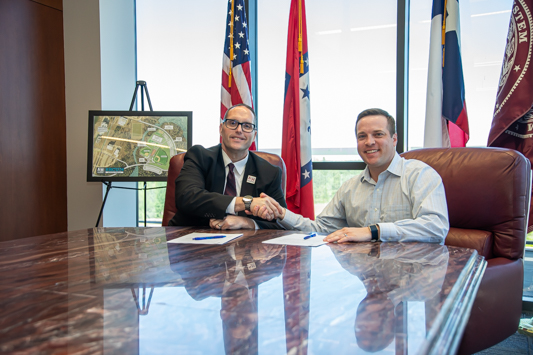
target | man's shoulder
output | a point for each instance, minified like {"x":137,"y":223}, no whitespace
{"x":417,"y":168}
{"x":353,"y":182}
{"x":199,"y":151}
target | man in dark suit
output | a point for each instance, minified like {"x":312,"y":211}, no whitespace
{"x":218,"y":186}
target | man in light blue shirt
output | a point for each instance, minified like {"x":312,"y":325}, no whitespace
{"x":393,"y":199}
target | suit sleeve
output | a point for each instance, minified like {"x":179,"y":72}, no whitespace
{"x":192,"y":197}
{"x":273,"y":190}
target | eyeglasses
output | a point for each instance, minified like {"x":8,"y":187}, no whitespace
{"x":233,"y":124}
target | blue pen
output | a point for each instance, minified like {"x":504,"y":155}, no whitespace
{"x":310,"y":236}
{"x":213,"y":237}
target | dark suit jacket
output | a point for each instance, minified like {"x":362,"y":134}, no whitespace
{"x":200,"y":185}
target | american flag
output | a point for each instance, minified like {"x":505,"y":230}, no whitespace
{"x":236,"y":78}
{"x":446,"y":116}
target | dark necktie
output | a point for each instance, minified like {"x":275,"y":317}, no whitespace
{"x":230,"y":190}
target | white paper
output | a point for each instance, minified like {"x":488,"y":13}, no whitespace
{"x":298,"y":240}
{"x":188,"y":238}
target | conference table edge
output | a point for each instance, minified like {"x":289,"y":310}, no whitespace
{"x":446,"y":333}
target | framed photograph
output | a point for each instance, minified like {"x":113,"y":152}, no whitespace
{"x":135,"y":145}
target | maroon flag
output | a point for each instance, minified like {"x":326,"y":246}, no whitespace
{"x":512,"y":123}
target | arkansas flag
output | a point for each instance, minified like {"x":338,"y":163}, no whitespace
{"x":512,"y":122}
{"x":446,"y":117}
{"x":296,"y":143}
{"x":236,"y":78}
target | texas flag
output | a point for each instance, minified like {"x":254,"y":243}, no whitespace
{"x":446,"y":117}
{"x":296,"y":143}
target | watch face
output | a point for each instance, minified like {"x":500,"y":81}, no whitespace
{"x":247,"y":202}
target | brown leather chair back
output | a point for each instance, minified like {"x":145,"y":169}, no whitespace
{"x":174,"y":169}
{"x":488,"y":192}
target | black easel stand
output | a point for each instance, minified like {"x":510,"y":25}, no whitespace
{"x":142,"y":85}
{"x":144,"y":88}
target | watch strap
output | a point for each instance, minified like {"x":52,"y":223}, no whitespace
{"x":375,"y":232}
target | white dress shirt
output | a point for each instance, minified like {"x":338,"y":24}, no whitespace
{"x":408,"y":203}
{"x":238,"y":170}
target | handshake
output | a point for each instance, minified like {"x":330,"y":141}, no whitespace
{"x":266,"y":207}
{"x":263,"y":206}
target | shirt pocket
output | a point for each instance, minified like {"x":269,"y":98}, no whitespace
{"x":395,"y":213}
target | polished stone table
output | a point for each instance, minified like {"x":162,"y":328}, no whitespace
{"x":126,"y":291}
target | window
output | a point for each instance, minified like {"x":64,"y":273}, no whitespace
{"x":352,"y":56}
{"x":484,"y":26}
{"x":179,"y":52}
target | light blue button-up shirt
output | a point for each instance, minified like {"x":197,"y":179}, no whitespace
{"x":407,"y":202}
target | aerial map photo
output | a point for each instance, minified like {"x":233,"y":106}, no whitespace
{"x":136,"y":146}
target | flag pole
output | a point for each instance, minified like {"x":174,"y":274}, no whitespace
{"x":300,"y":46}
{"x":444,"y":31}
{"x":231,"y":41}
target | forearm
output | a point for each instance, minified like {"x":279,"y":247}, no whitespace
{"x":428,"y":228}
{"x":322,"y":224}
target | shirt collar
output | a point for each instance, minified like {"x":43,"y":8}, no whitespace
{"x":394,"y":168}
{"x":239,"y":166}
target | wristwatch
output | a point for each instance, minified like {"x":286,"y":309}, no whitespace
{"x":247,"y":202}
{"x":375,"y":232}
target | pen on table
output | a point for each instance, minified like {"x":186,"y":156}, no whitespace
{"x":210,"y":237}
{"x":310,"y":236}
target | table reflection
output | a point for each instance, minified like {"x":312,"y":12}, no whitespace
{"x":392,"y":274}
{"x":125,"y":290}
{"x":232,"y":272}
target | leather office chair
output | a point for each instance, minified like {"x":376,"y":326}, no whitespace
{"x":488,"y":192}
{"x":174,"y":169}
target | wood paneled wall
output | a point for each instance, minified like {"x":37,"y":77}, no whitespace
{"x":33,"y":181}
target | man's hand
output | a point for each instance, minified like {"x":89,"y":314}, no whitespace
{"x":268,"y":209}
{"x":232,"y":222}
{"x":350,"y":235}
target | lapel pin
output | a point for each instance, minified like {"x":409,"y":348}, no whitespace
{"x":251,"y":179}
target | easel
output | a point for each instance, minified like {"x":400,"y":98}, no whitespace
{"x":144,"y":88}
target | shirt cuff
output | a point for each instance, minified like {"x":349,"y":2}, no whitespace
{"x":289,"y":220}
{"x":255,"y":224}
{"x":231,"y":207}
{"x":388,"y":232}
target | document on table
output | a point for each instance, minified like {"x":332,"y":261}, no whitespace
{"x":298,"y":240}
{"x":205,"y":238}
